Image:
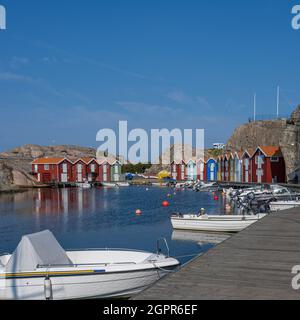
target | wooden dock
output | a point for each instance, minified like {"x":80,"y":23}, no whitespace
{"x":254,"y":264}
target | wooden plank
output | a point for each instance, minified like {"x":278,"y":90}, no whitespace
{"x":254,"y":264}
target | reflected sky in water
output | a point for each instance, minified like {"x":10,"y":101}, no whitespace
{"x":104,"y":218}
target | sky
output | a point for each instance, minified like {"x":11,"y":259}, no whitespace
{"x":70,"y":68}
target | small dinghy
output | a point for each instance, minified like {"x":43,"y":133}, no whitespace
{"x":233,"y":223}
{"x":115,"y":184}
{"x":40,"y":269}
{"x":84,"y":185}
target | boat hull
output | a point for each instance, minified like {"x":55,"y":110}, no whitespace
{"x":214,"y":224}
{"x":283,"y":205}
{"x":101,"y":286}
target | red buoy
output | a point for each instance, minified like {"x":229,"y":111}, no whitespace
{"x":165,"y":204}
{"x":216,"y":198}
{"x":138,"y":212}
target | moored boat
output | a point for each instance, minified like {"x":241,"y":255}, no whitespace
{"x":283,"y":205}
{"x":115,"y":184}
{"x":216,"y":223}
{"x":40,"y":269}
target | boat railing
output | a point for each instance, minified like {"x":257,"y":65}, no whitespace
{"x":159,"y":250}
{"x":76,"y":265}
{"x":107,"y":249}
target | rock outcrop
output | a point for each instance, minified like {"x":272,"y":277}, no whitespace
{"x":283,"y":133}
{"x":6,"y":177}
{"x":259,"y":133}
{"x":290,"y":143}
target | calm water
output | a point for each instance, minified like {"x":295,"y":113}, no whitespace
{"x":103,"y":218}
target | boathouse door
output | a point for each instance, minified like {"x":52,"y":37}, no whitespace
{"x":79,"y":172}
{"x":105,"y":173}
{"x":64,"y":175}
{"x":247,"y":170}
{"x":212,"y":172}
{"x":182,"y":172}
{"x":260,"y":173}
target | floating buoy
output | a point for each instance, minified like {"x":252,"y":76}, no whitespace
{"x":138,"y":212}
{"x":165,"y":204}
{"x":216,"y":198}
{"x":169,"y":195}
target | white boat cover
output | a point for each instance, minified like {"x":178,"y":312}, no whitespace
{"x":37,"y":249}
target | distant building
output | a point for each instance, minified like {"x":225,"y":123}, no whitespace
{"x":219,"y":146}
{"x":62,"y":170}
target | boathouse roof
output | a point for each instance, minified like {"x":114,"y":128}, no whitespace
{"x":49,"y":160}
{"x":270,"y":151}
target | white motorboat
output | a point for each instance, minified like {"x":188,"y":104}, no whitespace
{"x":115,"y":184}
{"x":217,"y":223}
{"x":84,"y":185}
{"x":123,"y":184}
{"x":283,"y":205}
{"x":40,"y":269}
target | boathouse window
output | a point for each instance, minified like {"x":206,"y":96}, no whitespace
{"x":93,"y":168}
{"x":105,"y":168}
{"x":275,"y":159}
{"x":116,"y":169}
{"x":36,"y":168}
{"x":79,"y":168}
{"x":46,"y":167}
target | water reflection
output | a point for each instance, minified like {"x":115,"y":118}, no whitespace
{"x":89,"y":218}
{"x":201,"y":238}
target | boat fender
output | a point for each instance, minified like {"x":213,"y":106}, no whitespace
{"x":48,"y":288}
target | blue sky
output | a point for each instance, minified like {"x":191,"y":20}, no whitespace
{"x":70,"y":68}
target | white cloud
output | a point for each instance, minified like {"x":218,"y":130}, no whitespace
{"x":147,"y":109}
{"x":180,"y":97}
{"x":18,"y":61}
{"x":204,"y":103}
{"x":10,"y":76}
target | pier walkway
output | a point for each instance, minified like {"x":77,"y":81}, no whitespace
{"x":254,"y":264}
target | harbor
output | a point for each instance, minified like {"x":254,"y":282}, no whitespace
{"x":163,"y":227}
{"x":255,"y":264}
{"x":149,"y":151}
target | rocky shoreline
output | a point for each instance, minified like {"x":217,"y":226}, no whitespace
{"x":15,"y":165}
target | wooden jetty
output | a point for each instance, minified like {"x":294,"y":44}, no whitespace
{"x":255,"y":264}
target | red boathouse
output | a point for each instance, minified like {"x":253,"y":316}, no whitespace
{"x":52,"y":170}
{"x":268,"y":165}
